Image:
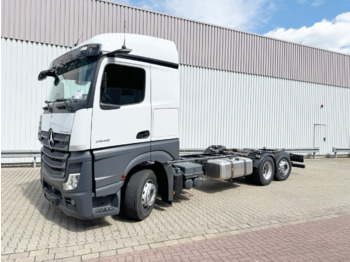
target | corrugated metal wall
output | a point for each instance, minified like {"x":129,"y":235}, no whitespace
{"x":62,"y":22}
{"x":241,"y":110}
{"x":218,"y":107}
{"x":22,"y":95}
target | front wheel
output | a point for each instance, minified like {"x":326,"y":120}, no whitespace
{"x":140,"y":194}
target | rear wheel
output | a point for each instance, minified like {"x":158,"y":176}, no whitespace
{"x":140,"y":194}
{"x":283,"y":168}
{"x":264,"y":173}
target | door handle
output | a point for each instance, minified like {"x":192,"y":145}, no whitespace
{"x":142,"y":134}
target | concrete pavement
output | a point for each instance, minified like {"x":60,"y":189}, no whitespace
{"x":33,"y":230}
{"x":322,"y":240}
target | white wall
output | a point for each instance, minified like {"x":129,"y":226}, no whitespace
{"x":22,"y":95}
{"x":233,"y":109}
{"x":240,"y":110}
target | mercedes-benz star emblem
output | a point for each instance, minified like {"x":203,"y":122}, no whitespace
{"x":50,"y":139}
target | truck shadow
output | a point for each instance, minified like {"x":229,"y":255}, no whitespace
{"x":159,"y":206}
{"x":124,"y":219}
{"x":163,"y":206}
{"x":33,"y":193}
{"x":212,"y":186}
{"x":245,"y":181}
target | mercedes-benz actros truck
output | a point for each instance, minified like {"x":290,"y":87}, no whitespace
{"x":110,"y":132}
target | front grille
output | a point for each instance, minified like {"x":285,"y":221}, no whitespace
{"x":54,"y":159}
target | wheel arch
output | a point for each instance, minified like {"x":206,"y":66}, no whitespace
{"x":257,"y":161}
{"x":146,"y":158}
{"x":257,"y":175}
{"x":278,"y":155}
{"x":157,"y":166}
{"x":282,"y":153}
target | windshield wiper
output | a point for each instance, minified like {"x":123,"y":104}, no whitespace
{"x":48,"y":106}
{"x":69,"y":108}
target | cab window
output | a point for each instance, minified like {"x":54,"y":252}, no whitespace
{"x":122,"y":85}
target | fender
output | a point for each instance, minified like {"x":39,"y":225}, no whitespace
{"x":137,"y":161}
{"x":111,"y":164}
{"x":275,"y":156}
{"x":257,"y":161}
{"x":164,"y":172}
{"x":157,"y":156}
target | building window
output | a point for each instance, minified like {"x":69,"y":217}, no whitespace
{"x":122,"y":85}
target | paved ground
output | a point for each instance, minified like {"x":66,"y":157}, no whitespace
{"x":34,"y":230}
{"x":322,"y":240}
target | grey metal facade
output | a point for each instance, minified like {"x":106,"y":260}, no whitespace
{"x":62,"y":22}
{"x":237,"y":89}
{"x":22,"y":95}
{"x":217,"y":107}
{"x":250,"y":111}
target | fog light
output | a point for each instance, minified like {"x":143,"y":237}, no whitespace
{"x":72,"y":182}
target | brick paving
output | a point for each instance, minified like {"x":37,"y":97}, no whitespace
{"x":323,"y":240}
{"x":33,"y":230}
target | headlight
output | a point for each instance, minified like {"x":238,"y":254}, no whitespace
{"x":72,"y":181}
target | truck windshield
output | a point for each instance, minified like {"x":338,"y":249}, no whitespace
{"x":75,"y":80}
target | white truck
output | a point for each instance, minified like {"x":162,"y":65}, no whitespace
{"x":110,"y":132}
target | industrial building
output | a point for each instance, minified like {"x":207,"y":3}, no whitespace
{"x":237,"y":89}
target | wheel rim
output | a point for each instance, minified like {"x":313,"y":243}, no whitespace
{"x":267,"y":170}
{"x":149,"y":194}
{"x":283,"y":167}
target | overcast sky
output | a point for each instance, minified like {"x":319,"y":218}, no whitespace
{"x":319,"y":23}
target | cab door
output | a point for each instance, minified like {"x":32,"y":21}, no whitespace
{"x":122,"y":106}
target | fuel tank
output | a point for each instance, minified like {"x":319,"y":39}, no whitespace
{"x":229,"y":168}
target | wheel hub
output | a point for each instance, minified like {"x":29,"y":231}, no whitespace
{"x":267,"y":170}
{"x":283,"y":167}
{"x":149,"y":194}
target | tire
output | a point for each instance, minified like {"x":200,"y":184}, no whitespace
{"x":283,"y":167}
{"x":264,"y":173}
{"x":140,"y":195}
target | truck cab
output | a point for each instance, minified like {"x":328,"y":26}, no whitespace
{"x":113,"y":110}
{"x":110,"y":132}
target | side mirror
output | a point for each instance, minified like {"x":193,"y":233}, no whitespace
{"x":57,"y":80}
{"x":42,"y":75}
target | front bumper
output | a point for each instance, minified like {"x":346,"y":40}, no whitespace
{"x":82,"y":207}
{"x":80,"y":202}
